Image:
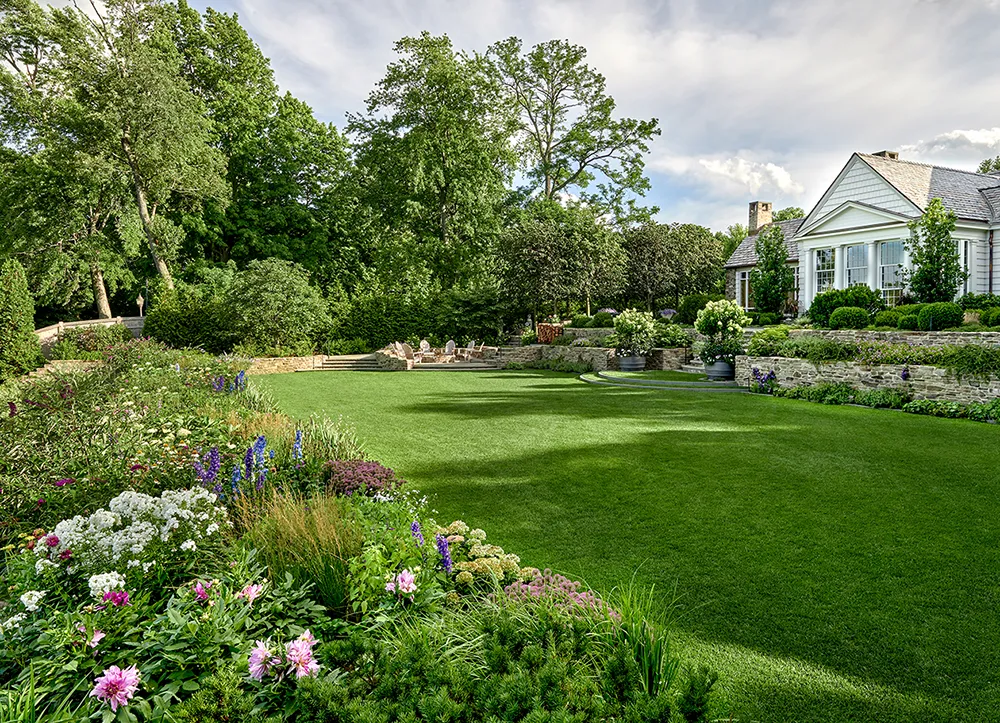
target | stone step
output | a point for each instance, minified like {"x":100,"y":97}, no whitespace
{"x":716,"y":388}
{"x":694,"y":384}
{"x":693,"y":368}
{"x":455,"y":367}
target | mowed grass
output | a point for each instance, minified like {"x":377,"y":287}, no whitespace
{"x":833,"y":563}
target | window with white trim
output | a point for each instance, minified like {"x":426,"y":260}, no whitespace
{"x":890,"y":270}
{"x":857,"y":265}
{"x":825,"y":269}
{"x":743,"y":289}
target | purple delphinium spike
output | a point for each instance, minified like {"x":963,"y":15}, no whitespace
{"x":219,"y":384}
{"x":442,"y":546}
{"x":248,"y":463}
{"x":297,"y":447}
{"x":417,"y":536}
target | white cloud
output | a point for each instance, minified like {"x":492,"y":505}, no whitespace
{"x":981,"y":142}
{"x":754,"y":175}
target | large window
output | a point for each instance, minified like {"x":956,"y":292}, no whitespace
{"x":890,"y":264}
{"x":825,"y":265}
{"x":857,"y":265}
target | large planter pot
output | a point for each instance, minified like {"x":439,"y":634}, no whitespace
{"x":720,"y":371}
{"x":631,"y":363}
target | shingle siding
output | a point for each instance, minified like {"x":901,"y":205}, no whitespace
{"x":862,"y":183}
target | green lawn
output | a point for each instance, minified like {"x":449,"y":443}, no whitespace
{"x":660,"y":376}
{"x":833,"y":563}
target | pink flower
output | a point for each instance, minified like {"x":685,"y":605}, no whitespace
{"x":390,"y":586}
{"x":117,"y":686}
{"x":251,"y":592}
{"x":118,"y":598}
{"x":262,"y":660}
{"x":406,"y":582}
{"x":308,"y":639}
{"x":97,"y":637}
{"x":65,"y":554}
{"x":300,"y":656}
{"x":201,"y":591}
{"x":64,"y":481}
{"x":51,"y":540}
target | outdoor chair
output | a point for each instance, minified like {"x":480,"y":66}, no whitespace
{"x":425,"y":346}
{"x":466,"y":353}
{"x":449,"y":351}
{"x":410,"y":355}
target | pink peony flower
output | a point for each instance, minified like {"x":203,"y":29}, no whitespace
{"x":407,"y":583}
{"x":51,"y":540}
{"x":97,"y":637}
{"x":65,"y":554}
{"x":117,"y":686}
{"x":64,"y":481}
{"x":201,"y":591}
{"x":251,"y":592}
{"x":262,"y":660}
{"x":300,"y":656}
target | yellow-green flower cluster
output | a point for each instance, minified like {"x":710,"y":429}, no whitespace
{"x":481,"y":561}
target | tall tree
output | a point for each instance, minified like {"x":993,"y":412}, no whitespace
{"x":568,"y":136}
{"x":19,"y":348}
{"x":772,"y":279}
{"x":731,"y":238}
{"x":937,"y":268}
{"x":125,"y":72}
{"x":989,"y":165}
{"x":671,"y":260}
{"x":787,"y":214}
{"x":433,"y":152}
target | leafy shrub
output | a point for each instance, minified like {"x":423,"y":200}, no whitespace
{"x":562,"y":340}
{"x":602,"y":320}
{"x":768,"y":342}
{"x":906,"y":309}
{"x":817,"y":350}
{"x":192,"y":316}
{"x":89,"y":342}
{"x":20,"y":351}
{"x":765,"y":318}
{"x":635,"y":331}
{"x":554,"y":365}
{"x":693,"y":704}
{"x":969,"y":302}
{"x":528,"y":338}
{"x":468,"y":314}
{"x":908,"y":322}
{"x":940,"y":315}
{"x":849,"y":317}
{"x":722,"y":322}
{"x":671,"y":336}
{"x":347,"y":477}
{"x":990,"y":317}
{"x":823,"y":393}
{"x":273,"y":305}
{"x":936,"y":408}
{"x":881,"y":398}
{"x":581,"y":321}
{"x":336,"y":347}
{"x":861,"y":296}
{"x":687,"y":310}
{"x":889,"y":317}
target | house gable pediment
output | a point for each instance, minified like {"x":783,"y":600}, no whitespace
{"x":852,"y":215}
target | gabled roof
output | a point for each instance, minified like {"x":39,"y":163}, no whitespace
{"x":885,"y":217}
{"x":992,"y":196}
{"x":746,"y":255}
{"x":959,"y":191}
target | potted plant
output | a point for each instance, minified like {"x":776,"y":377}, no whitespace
{"x":722,"y":323}
{"x":635,"y":333}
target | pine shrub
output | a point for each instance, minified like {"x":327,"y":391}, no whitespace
{"x":20,"y":351}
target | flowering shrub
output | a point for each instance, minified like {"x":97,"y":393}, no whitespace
{"x":348,"y":477}
{"x":722,"y":322}
{"x":560,"y":592}
{"x":635,"y":332}
{"x":135,"y":533}
{"x":763,"y":383}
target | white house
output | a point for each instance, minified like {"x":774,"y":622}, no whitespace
{"x":856,"y":232}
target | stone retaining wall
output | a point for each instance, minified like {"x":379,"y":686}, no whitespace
{"x":281,"y":365}
{"x":913,"y":338}
{"x":586,"y":333}
{"x":600,"y":359}
{"x":922,"y":382}
{"x":391,"y":362}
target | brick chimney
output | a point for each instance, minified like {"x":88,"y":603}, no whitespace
{"x":760,"y":215}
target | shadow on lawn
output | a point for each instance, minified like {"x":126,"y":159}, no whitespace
{"x":767,"y":561}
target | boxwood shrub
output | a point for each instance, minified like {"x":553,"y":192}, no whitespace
{"x":889,"y":317}
{"x":768,"y":342}
{"x":602,"y":320}
{"x":908,"y":322}
{"x":824,"y":304}
{"x":940,"y":315}
{"x":581,"y":321}
{"x":849,"y":317}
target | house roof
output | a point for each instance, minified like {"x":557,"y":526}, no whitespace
{"x":966,"y":193}
{"x":746,"y":255}
{"x":992,"y":196}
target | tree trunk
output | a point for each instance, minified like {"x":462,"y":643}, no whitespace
{"x":147,"y":222}
{"x":100,"y":292}
{"x":588,"y":303}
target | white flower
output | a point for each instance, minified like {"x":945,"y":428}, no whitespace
{"x":31,"y":599}
{"x":188,"y":545}
{"x":211,"y":529}
{"x":12,"y":622}
{"x":105,"y":582}
{"x":42,"y":565}
{"x":183,"y":432}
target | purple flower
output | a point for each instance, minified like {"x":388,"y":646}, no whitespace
{"x":207,"y":475}
{"x":442,"y":546}
{"x":13,"y":408}
{"x":667,"y":313}
{"x":417,"y":536}
{"x":347,"y":477}
{"x":64,"y":482}
{"x":905,"y":374}
{"x":297,"y":447}
{"x":219,"y":384}
{"x":118,"y":598}
{"x":248,"y":464}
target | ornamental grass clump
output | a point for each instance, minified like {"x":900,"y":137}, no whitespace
{"x":312,"y":539}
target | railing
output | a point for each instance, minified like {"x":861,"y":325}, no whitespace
{"x":49,"y":335}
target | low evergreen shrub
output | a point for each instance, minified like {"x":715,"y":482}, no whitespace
{"x":889,"y":317}
{"x":824,"y":304}
{"x":969,"y":302}
{"x":940,"y":315}
{"x":849,"y":317}
{"x":581,"y":321}
{"x":20,"y":351}
{"x":602,"y":320}
{"x":909,"y":322}
{"x":768,"y":342}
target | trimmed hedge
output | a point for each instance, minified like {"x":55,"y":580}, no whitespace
{"x":687,"y":310}
{"x":849,"y":317}
{"x":602,"y":320}
{"x":940,"y":315}
{"x":889,"y":317}
{"x":861,"y":296}
{"x":908,"y":322}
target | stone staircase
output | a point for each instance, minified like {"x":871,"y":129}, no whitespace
{"x":695,"y":366}
{"x":348,"y":363}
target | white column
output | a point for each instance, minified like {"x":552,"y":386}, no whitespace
{"x":873,"y":279}
{"x":839,"y":265}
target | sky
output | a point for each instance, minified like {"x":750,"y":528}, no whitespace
{"x":757,"y":100}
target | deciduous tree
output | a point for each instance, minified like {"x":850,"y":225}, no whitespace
{"x":937,"y":269}
{"x":772,"y":279}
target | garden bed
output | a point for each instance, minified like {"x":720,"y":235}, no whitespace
{"x":918,"y":381}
